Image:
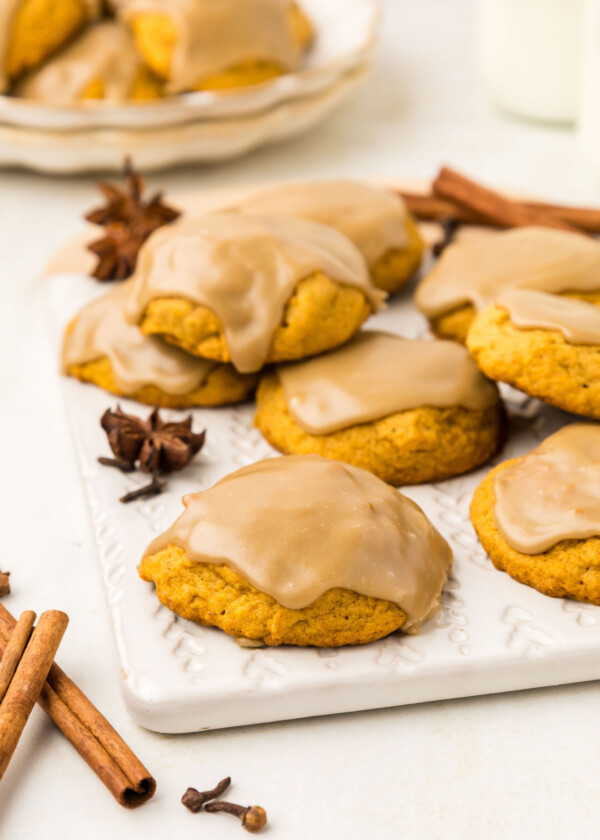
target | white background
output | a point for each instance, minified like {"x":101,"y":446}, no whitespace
{"x":523,"y":765}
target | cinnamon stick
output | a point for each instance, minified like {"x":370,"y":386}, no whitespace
{"x":14,"y":649}
{"x":4,"y":583}
{"x":494,"y":207}
{"x":432,"y":208}
{"x":89,"y":732}
{"x":28,"y":678}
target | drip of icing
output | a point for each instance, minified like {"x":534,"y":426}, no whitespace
{"x":378,"y":374}
{"x":578,"y":321}
{"x":215,"y":36}
{"x":374,"y":219}
{"x":298,"y":526}
{"x":476,"y":271}
{"x":104,"y":53}
{"x":100,"y":330}
{"x":552,"y":494}
{"x":244,"y":269}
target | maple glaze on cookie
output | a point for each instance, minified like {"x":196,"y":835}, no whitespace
{"x":552,"y":494}
{"x":374,"y":219}
{"x":296,"y":528}
{"x":243,"y":270}
{"x":578,"y":321}
{"x":378,"y":374}
{"x":476,"y":271}
{"x":189,"y":41}
{"x":101,"y":330}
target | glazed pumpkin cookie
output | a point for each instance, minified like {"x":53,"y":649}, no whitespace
{"x":375,"y":219}
{"x":408,"y":411}
{"x":251,"y":290}
{"x":201,"y":45}
{"x":100,"y":347}
{"x":301,"y":551}
{"x":102,"y":63}
{"x":545,"y":345}
{"x":31,"y":30}
{"x":538,"y":517}
{"x":471,"y":274}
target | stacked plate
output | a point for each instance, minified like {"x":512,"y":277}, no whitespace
{"x":198,"y":127}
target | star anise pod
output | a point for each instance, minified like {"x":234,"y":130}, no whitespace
{"x":156,"y":446}
{"x":129,"y":221}
{"x":126,"y":206}
{"x":118,"y":251}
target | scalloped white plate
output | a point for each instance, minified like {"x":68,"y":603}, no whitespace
{"x":203,"y":141}
{"x":491,"y":635}
{"x":346,"y":35}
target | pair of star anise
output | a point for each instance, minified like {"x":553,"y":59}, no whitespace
{"x":154,"y":446}
{"x":129,"y":220}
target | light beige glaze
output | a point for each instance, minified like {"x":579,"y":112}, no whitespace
{"x":298,"y":526}
{"x":374,"y":219}
{"x":103,"y":53}
{"x":244,"y":269}
{"x":8,"y":12}
{"x":73,"y":256}
{"x":578,"y":321}
{"x":552,"y":494}
{"x":216,"y":36}
{"x":378,"y":374}
{"x":100,"y":330}
{"x":477,"y":271}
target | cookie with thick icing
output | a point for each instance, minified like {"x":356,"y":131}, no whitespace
{"x":301,"y":551}
{"x":374,"y":219}
{"x":102,"y":63}
{"x":102,"y":348}
{"x":201,"y":45}
{"x":251,"y":290}
{"x":408,"y":411}
{"x":538,"y":517}
{"x":471,"y":273}
{"x":545,"y":345}
{"x":31,"y":30}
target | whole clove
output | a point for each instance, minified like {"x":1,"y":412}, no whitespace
{"x":194,"y":799}
{"x":154,"y":488}
{"x":253,"y":817}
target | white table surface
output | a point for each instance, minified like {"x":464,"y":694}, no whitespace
{"x":523,"y":765}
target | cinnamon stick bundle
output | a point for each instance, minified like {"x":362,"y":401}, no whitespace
{"x":29,"y":659}
{"x":458,"y":203}
{"x":89,"y":732}
{"x":492,"y":206}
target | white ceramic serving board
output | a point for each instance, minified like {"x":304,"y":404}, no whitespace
{"x":491,"y":635}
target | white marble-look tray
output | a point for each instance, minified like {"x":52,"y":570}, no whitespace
{"x":491,"y":635}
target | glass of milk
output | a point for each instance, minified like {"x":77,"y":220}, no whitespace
{"x":530,"y":54}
